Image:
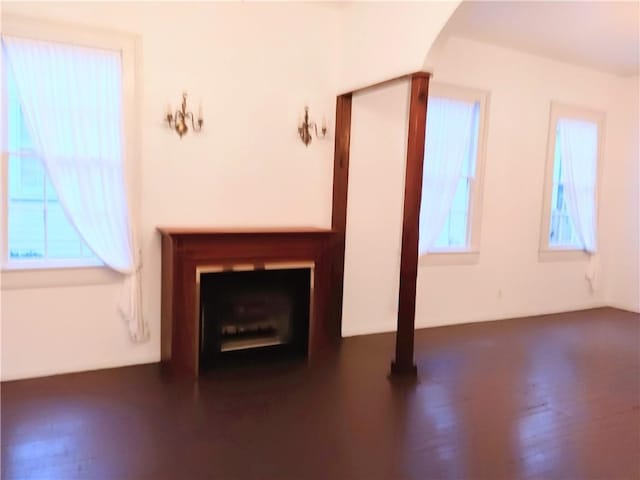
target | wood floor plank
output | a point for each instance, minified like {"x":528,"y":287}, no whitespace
{"x":553,"y":397}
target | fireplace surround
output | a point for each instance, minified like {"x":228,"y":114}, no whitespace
{"x":190,"y":252}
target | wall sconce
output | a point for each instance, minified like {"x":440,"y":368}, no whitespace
{"x":304,"y":128}
{"x":178,"y":121}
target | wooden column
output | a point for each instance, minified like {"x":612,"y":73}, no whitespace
{"x":339,"y":209}
{"x":403,"y":363}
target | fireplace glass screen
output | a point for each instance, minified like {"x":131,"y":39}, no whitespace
{"x":247,"y":314}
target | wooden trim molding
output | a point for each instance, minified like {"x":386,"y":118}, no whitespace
{"x":386,"y":81}
{"x":403,"y":363}
{"x":339,"y":208}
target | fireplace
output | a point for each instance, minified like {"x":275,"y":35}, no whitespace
{"x":209,"y":317}
{"x":254,"y":314}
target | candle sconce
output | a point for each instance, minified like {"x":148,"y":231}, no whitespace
{"x":305,"y":128}
{"x":178,"y":120}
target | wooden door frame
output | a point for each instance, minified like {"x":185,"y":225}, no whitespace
{"x":403,"y":365}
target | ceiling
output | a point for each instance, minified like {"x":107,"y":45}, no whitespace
{"x":602,"y":35}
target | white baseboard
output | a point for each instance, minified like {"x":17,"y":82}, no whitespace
{"x":352,"y":332}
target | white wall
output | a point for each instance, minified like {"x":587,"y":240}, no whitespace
{"x":509,"y":280}
{"x":254,"y":66}
{"x":622,"y":202}
{"x":377,"y":164}
{"x":55,"y":330}
{"x":382,"y":40}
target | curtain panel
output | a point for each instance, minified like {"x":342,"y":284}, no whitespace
{"x":579,"y":150}
{"x":71,"y":98}
{"x":448,"y":140}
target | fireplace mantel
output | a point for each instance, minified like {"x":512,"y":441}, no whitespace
{"x":242,"y":231}
{"x":187,"y":248}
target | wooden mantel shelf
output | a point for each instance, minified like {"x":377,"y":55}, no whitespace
{"x":188,"y":230}
{"x":187,"y":248}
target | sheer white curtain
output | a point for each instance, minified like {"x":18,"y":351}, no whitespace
{"x":579,"y":149}
{"x":71,"y":98}
{"x":448,"y":140}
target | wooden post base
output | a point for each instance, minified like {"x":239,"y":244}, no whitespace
{"x":402,"y":370}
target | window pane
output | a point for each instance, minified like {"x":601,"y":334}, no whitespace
{"x":443,"y":238}
{"x":19,"y":139}
{"x":62,"y":239}
{"x":26,"y":208}
{"x":26,"y":229}
{"x":454,"y":233}
{"x":561,"y":231}
{"x":469,"y":165}
{"x":461,"y":199}
{"x":86,"y":252}
{"x":28,"y":217}
{"x":566,"y":230}
{"x":35,"y":229}
{"x":458,"y":229}
{"x":26,"y":178}
{"x":51,"y":192}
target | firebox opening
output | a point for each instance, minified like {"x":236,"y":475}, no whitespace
{"x":254,"y":315}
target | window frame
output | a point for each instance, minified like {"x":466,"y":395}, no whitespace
{"x":471,"y":253}
{"x":52,"y":272}
{"x":557,"y":111}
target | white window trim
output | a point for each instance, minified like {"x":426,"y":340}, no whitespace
{"x":559,"y":110}
{"x":50,"y":272}
{"x":471,"y":254}
{"x":62,"y":277}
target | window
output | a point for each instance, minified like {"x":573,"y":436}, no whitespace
{"x":453,"y":167}
{"x":38,"y":230}
{"x":455,"y":232}
{"x":570,"y":210}
{"x":561,"y":231}
{"x":93,"y":95}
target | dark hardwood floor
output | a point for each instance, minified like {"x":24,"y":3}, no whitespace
{"x":553,"y":397}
